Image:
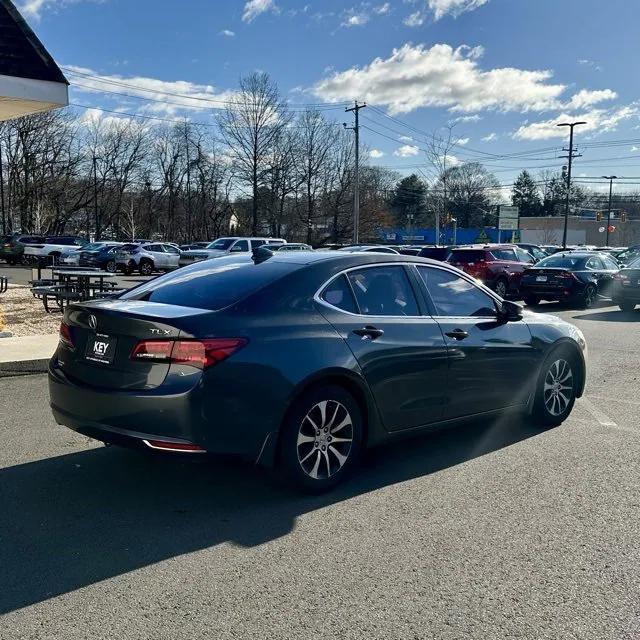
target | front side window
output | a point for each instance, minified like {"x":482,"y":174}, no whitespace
{"x":453,"y":296}
{"x":241,"y":245}
{"x":383,"y":291}
{"x":609,"y":263}
{"x":593,"y":264}
{"x":257,"y":243}
{"x":338,"y":294}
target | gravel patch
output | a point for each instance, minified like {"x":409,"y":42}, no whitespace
{"x":23,"y":315}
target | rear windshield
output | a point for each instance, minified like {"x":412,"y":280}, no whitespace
{"x":466,"y":255}
{"x":561,"y":262}
{"x":212,"y":285}
{"x":435,"y":253}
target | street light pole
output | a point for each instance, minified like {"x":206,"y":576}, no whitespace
{"x":610,"y":179}
{"x":571,"y":125}
{"x":455,"y":230}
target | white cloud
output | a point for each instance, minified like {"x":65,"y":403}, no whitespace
{"x":34,"y":8}
{"x":254,"y":8}
{"x":474,"y":118}
{"x":228,"y":33}
{"x":634,"y":149}
{"x":416,"y":19}
{"x":174,"y":96}
{"x":598,"y":121}
{"x":490,"y":138}
{"x":415,"y":76}
{"x":463,"y":141}
{"x":586,"y":98}
{"x":405,"y":139}
{"x":441,"y":8}
{"x":406,"y":151}
{"x":382,"y":9}
{"x":376,"y":153}
{"x":356,"y":20}
{"x":590,"y":63}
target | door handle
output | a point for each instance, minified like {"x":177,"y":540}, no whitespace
{"x":457,"y":334}
{"x":369,"y":332}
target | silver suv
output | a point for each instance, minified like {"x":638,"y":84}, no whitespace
{"x":147,"y":258}
{"x":226,"y":246}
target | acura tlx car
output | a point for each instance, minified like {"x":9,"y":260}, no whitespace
{"x":299,"y":360}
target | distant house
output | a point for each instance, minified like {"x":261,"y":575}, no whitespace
{"x":30,"y":80}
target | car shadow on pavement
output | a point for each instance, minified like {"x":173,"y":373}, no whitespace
{"x":614,"y":315}
{"x":74,"y":520}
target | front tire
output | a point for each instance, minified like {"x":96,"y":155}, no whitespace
{"x":146,"y":268}
{"x":111,"y":266}
{"x":321,"y":439}
{"x":501,"y":287}
{"x":556,"y":389}
{"x":589,"y":297}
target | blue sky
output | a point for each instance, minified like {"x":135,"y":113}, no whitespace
{"x":505,"y":71}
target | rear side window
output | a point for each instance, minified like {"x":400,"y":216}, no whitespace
{"x":257,"y":243}
{"x":454,"y":296}
{"x":435,"y":253}
{"x":338,"y":294}
{"x":211,"y":285}
{"x":504,"y":254}
{"x":383,"y":291}
{"x":466,"y":256}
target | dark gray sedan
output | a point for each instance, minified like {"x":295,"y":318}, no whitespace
{"x":300,"y":361}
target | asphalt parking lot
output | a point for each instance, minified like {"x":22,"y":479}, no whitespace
{"x":493,"y":530}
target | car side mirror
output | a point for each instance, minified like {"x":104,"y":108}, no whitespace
{"x":509,"y":311}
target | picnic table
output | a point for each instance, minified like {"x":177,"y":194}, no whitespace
{"x":73,"y":285}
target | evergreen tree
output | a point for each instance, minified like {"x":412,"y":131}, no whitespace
{"x":409,"y":198}
{"x":526,"y":195}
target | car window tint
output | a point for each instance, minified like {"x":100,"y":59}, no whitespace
{"x":339,"y":294}
{"x":466,"y":256}
{"x":593,"y":263}
{"x":383,"y":291}
{"x":561,"y":261}
{"x":241,"y":245}
{"x":257,"y":243}
{"x":504,"y":254}
{"x":455,"y":296}
{"x":524,"y":256}
{"x":609,"y":263}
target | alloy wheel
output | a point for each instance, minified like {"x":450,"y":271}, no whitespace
{"x":589,"y":297}
{"x":558,"y":387}
{"x":325,"y":439}
{"x":501,"y":288}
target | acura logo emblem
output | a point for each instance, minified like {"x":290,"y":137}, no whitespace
{"x":93,"y":322}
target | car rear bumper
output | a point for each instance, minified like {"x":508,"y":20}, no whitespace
{"x":549,"y":292}
{"x":631,"y":294}
{"x":171,"y":414}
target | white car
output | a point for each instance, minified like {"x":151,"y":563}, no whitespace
{"x":53,"y":247}
{"x":147,"y":258}
{"x":226,"y":246}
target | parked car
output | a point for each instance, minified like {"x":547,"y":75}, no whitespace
{"x":101,"y":255}
{"x":193,"y":245}
{"x":626,"y":287}
{"x":300,"y":362}
{"x":436,"y":252}
{"x":535,"y":250}
{"x":574,"y":276}
{"x":408,"y":250}
{"x":498,"y":266}
{"x":53,"y":246}
{"x":628,"y":255}
{"x":225,"y":246}
{"x":12,"y":246}
{"x":369,"y":248}
{"x":289,"y":246}
{"x":147,"y":258}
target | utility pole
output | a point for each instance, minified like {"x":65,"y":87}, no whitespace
{"x":95,"y":200}
{"x":4,"y":215}
{"x":571,"y":125}
{"x":356,"y":191}
{"x":610,"y":179}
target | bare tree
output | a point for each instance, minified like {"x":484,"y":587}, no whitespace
{"x":250,"y":127}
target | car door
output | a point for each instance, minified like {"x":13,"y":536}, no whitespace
{"x":239,"y":246}
{"x":609,"y":270}
{"x":172,"y":256}
{"x":158,"y":255}
{"x":401,"y":352}
{"x":492,"y":363}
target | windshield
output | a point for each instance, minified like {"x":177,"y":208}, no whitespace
{"x":222,"y":244}
{"x":94,"y":246}
{"x":562,"y":261}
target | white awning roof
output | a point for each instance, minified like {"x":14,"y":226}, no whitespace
{"x":23,"y":96}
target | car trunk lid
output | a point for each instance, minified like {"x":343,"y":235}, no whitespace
{"x":105,"y":333}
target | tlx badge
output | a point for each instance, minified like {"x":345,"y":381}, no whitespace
{"x":160,"y":332}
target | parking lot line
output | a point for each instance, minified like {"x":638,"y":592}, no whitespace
{"x":600,"y":416}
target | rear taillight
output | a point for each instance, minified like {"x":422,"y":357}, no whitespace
{"x":66,"y":336}
{"x":567,"y":275}
{"x":196,"y":353}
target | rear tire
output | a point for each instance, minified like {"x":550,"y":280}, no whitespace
{"x":146,"y":268}
{"x":111,"y":266}
{"x":321,"y":439}
{"x":556,"y":389}
{"x":627,"y":306}
{"x":531,"y":301}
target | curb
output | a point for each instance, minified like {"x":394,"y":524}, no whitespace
{"x":23,"y":368}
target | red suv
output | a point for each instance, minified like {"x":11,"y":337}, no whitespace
{"x":498,"y":266}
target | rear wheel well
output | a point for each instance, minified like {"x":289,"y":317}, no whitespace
{"x":348,"y":385}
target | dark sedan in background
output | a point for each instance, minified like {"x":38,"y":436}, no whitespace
{"x":300,"y":360}
{"x":574,"y":276}
{"x":626,"y":287}
{"x":101,"y":255}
